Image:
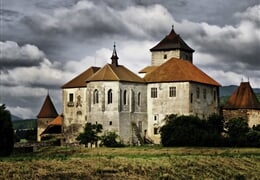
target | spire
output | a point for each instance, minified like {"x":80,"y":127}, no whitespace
{"x":114,"y":56}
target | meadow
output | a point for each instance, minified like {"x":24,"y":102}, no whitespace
{"x":133,"y":163}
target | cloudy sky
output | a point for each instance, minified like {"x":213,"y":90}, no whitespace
{"x":44,"y":44}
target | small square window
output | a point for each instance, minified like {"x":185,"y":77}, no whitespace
{"x":165,"y":56}
{"x":172,"y":91}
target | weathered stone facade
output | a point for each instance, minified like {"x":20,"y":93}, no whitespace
{"x":74,"y":112}
{"x":184,"y":100}
{"x":252,"y":116}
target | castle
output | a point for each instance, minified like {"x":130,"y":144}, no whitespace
{"x":132,"y":105}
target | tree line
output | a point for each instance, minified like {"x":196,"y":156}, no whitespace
{"x":214,"y":131}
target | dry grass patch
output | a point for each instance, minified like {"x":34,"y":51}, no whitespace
{"x":134,"y":163}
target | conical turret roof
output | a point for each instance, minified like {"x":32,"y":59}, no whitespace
{"x":243,"y":98}
{"x":48,"y":109}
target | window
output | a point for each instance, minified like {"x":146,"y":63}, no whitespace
{"x":204,"y":93}
{"x":165,"y":56}
{"x":125,"y":97}
{"x":71,"y":97}
{"x":155,"y":131}
{"x":109,"y":96}
{"x":198,"y":92}
{"x":172,"y":92}
{"x":214,"y":95}
{"x":95,"y":97}
{"x":156,"y":117}
{"x":191,"y":97}
{"x":110,"y":123}
{"x":153,"y":92}
{"x":139,"y":99}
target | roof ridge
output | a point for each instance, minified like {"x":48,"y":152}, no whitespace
{"x":110,"y":66}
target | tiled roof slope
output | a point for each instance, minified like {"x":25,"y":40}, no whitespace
{"x":177,"y":70}
{"x":56,"y":122}
{"x":48,"y":110}
{"x":243,"y":98}
{"x":112,"y":72}
{"x":171,"y":42}
{"x":148,"y":69}
{"x":80,"y":80}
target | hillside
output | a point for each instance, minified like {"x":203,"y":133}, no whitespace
{"x":24,"y":124}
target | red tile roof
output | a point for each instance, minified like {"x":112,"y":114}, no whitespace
{"x":80,"y":80}
{"x":48,"y":109}
{"x":243,"y":98}
{"x":112,"y":72}
{"x":171,"y":42}
{"x":148,"y":69}
{"x":56,"y":121}
{"x":177,"y":70}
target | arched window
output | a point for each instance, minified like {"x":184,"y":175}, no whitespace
{"x":95,"y":97}
{"x":139,"y":99}
{"x":109,"y":96}
{"x":125,"y":97}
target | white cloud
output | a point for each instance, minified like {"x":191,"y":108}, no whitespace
{"x":11,"y":54}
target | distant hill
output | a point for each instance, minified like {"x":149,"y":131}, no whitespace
{"x":15,"y":118}
{"x":24,"y":124}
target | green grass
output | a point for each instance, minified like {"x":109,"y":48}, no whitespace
{"x":133,"y":163}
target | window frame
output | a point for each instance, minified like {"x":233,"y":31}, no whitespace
{"x":95,"y":97}
{"x":109,"y":96}
{"x":154,"y":92}
{"x":172,"y":91}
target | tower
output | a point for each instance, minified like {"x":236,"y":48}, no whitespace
{"x":171,"y":46}
{"x":46,"y":114}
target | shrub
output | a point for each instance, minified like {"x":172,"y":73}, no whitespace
{"x":111,"y":139}
{"x":237,"y":130}
{"x":183,"y":131}
{"x":90,"y":134}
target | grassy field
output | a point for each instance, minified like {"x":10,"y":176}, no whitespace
{"x":133,"y":163}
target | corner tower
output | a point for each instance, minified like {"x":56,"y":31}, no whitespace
{"x":171,"y":46}
{"x":46,"y":114}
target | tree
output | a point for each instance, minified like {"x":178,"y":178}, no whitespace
{"x":111,"y":139}
{"x":237,"y":130}
{"x":6,"y":132}
{"x":90,"y":134}
{"x":183,"y":131}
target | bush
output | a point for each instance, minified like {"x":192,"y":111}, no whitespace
{"x":90,"y":134}
{"x":111,"y":139}
{"x":237,"y":130}
{"x":6,"y":132}
{"x":183,"y":131}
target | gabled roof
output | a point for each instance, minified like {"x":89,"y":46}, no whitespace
{"x":54,"y":127}
{"x":80,"y":80}
{"x":177,"y":70}
{"x":112,"y":72}
{"x":243,"y":98}
{"x":48,"y":109}
{"x":148,"y":69}
{"x":172,"y":41}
